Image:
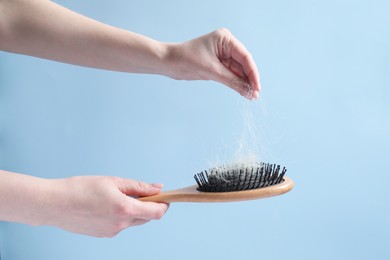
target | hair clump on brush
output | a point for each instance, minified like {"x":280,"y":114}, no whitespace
{"x":239,"y":176}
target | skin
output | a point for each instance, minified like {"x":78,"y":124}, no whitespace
{"x":47,"y":30}
{"x":99,"y":206}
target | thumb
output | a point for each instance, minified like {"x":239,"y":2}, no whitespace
{"x":138,"y":188}
{"x":225,"y":76}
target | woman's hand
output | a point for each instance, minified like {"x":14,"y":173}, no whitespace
{"x":101,"y":206}
{"x":91,"y":205}
{"x":216,"y":56}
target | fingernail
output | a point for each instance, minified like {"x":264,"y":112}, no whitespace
{"x":157,"y":185}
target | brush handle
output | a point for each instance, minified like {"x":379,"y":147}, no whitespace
{"x":191,"y":194}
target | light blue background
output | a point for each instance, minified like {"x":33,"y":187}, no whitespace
{"x":323,"y":113}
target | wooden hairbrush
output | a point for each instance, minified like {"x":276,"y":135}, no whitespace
{"x":235,"y":182}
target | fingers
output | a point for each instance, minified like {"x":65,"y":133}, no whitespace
{"x":225,"y":75}
{"x":241,"y":72}
{"x":138,"y":222}
{"x":137,"y":209}
{"x":149,"y":210}
{"x":234,"y":67}
{"x":240,"y":54}
{"x":137,"y":188}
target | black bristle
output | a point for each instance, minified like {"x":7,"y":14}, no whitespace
{"x":197,"y":180}
{"x":256,"y":179}
{"x":240,"y":177}
{"x":282,"y":174}
{"x":261,"y":177}
{"x":275,"y":174}
{"x":267,"y":174}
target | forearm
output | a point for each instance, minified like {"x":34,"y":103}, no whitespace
{"x":25,"y":199}
{"x":44,"y":29}
{"x":91,"y":205}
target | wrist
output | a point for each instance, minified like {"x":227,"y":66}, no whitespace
{"x":169,"y":59}
{"x":25,"y":199}
{"x":184,"y":61}
{"x":50,"y":202}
